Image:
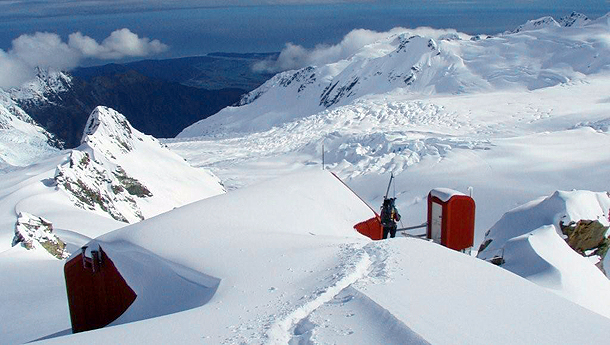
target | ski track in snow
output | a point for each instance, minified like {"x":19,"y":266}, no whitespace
{"x":282,"y":331}
{"x":364,"y":265}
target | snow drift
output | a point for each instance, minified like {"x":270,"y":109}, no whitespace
{"x":176,"y":261}
{"x":530,"y":242}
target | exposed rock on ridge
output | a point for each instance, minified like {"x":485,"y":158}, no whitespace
{"x":34,"y":232}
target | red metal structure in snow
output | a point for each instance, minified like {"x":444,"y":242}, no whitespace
{"x":371,"y":228}
{"x":451,"y":218}
{"x":97,"y":293}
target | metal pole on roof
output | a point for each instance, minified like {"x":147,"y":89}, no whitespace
{"x":322,"y":156}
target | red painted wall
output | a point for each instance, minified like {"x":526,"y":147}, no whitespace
{"x":96,"y":295}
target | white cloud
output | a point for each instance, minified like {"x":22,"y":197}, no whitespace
{"x":295,"y":56}
{"x":47,"y":50}
{"x":13,"y":72}
{"x":121,"y":43}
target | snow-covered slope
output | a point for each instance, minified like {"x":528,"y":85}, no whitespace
{"x":574,"y":19}
{"x":47,"y":84}
{"x":536,"y":24}
{"x":136,"y":176}
{"x":516,"y":117}
{"x":22,"y":140}
{"x":280,"y":263}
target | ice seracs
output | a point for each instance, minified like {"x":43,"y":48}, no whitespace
{"x":515,"y":116}
{"x":22,"y":140}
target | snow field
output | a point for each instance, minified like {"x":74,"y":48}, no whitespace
{"x":513,"y":117}
{"x":511,"y":147}
{"x":322,"y":280}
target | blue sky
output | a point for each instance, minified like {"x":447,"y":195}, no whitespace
{"x":199,"y":27}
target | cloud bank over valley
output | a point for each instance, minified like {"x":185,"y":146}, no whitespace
{"x":48,"y":50}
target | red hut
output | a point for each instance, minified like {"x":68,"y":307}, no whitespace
{"x":451,"y":218}
{"x":97,"y":293}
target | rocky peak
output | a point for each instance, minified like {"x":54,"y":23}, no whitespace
{"x":573,"y":20}
{"x":34,"y":232}
{"x":103,"y":187}
{"x":302,"y":77}
{"x":45,"y":85}
{"x":106,"y":128}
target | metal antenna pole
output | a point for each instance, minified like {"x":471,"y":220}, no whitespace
{"x":322,"y":156}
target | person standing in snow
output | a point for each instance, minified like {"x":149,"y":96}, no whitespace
{"x":389,"y":217}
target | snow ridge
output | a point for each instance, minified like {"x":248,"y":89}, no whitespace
{"x":574,"y":19}
{"x":530,"y":242}
{"x":536,"y":24}
{"x":108,"y":129}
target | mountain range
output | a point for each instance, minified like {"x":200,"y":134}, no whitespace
{"x":159,"y":97}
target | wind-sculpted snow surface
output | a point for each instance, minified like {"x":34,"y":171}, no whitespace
{"x":117,"y":175}
{"x":514,"y":116}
